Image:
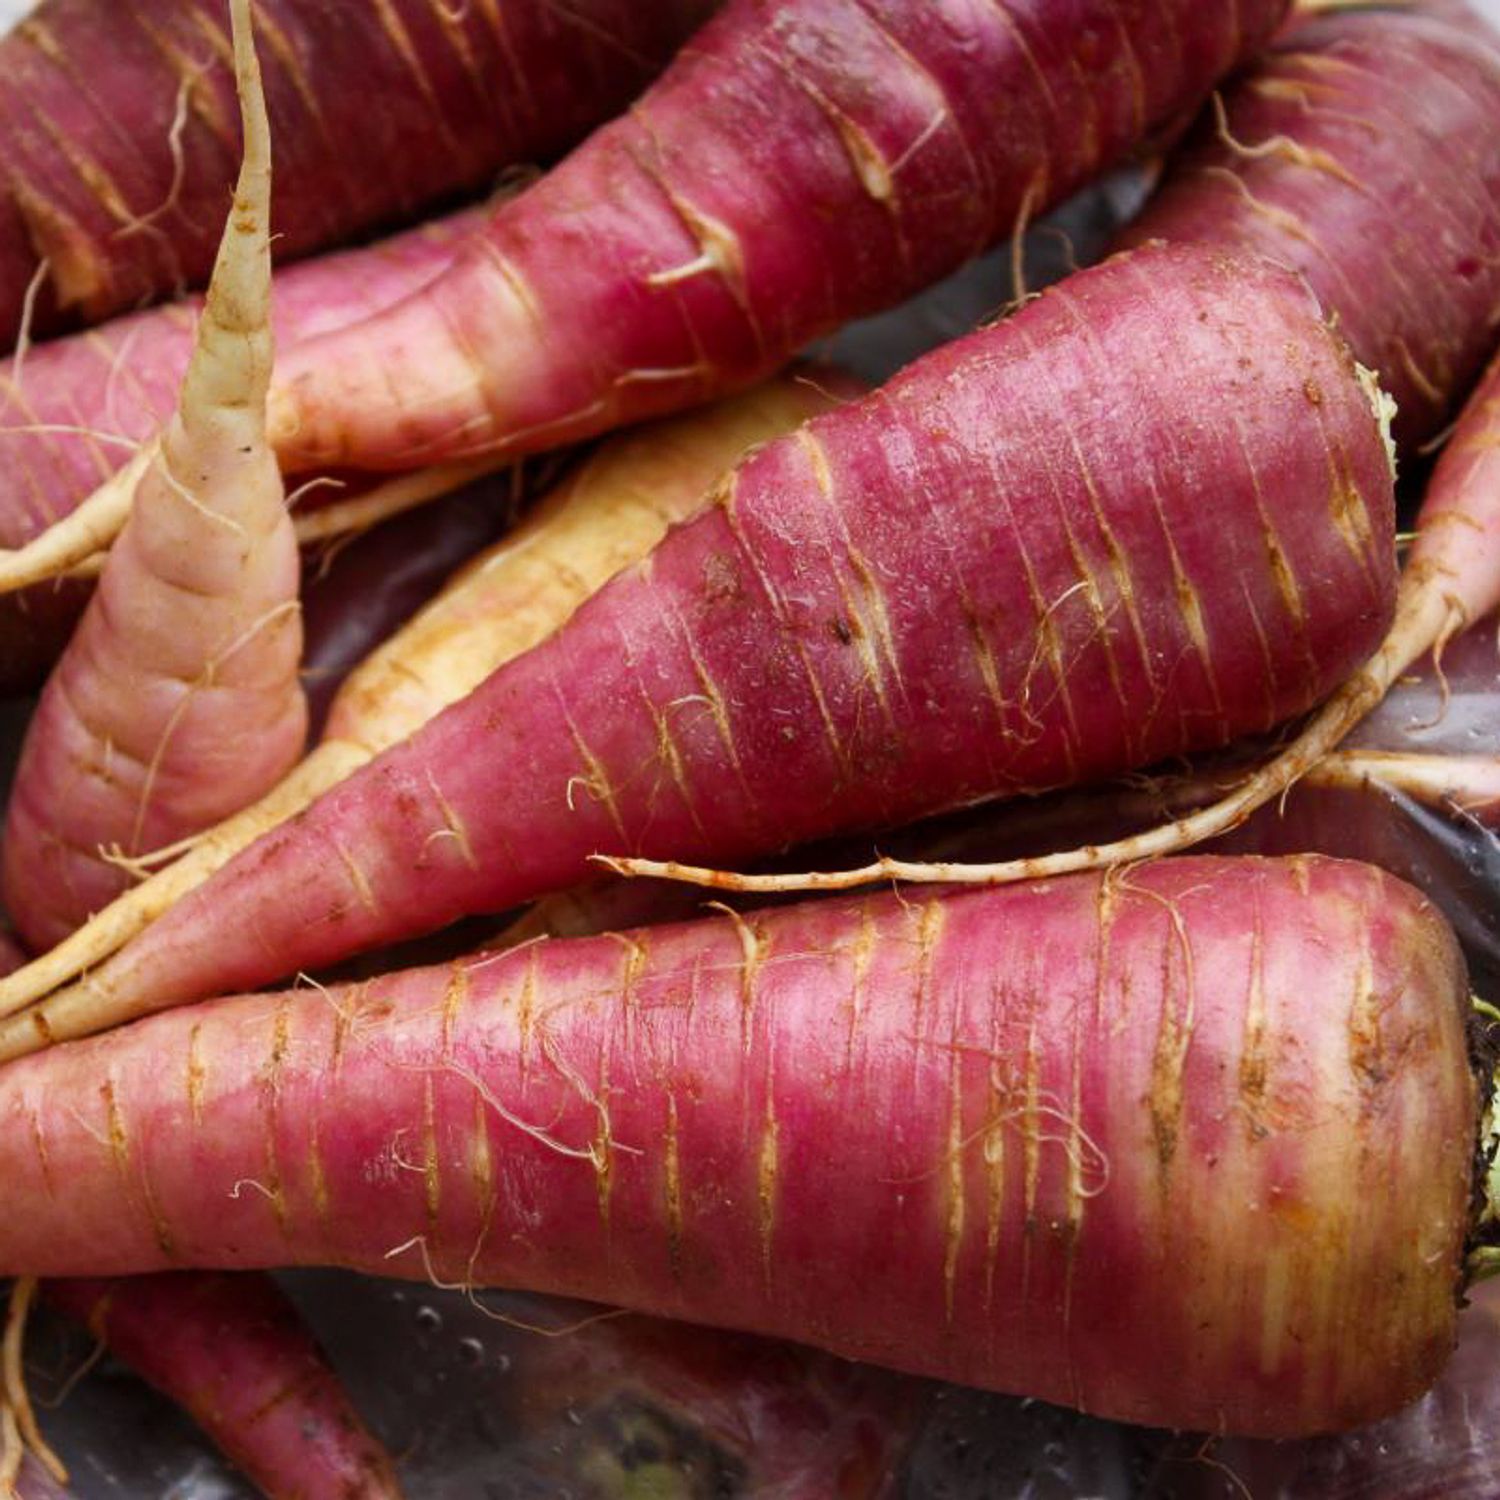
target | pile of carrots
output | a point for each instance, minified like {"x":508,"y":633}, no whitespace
{"x":1196,"y":1140}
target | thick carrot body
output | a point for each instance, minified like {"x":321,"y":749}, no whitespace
{"x":72,"y":410}
{"x":1364,"y":150}
{"x":1451,"y":579}
{"x":1009,"y":569}
{"x":234,"y":1354}
{"x":803,"y":162}
{"x":177,"y":701}
{"x":1136,"y":1171}
{"x":119,"y":141}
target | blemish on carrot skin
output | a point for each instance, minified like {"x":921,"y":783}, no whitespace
{"x":1173,"y":1039}
{"x":197,"y":1075}
{"x":453,"y":826}
{"x":39,"y":1144}
{"x":119,"y":1145}
{"x":455,"y":997}
{"x":357,"y":879}
{"x":766,"y":1190}
{"x":1031,"y":1144}
{"x":1367,"y":1049}
{"x":929,"y":929}
{"x":526,"y":1015}
{"x":432,"y":1180}
{"x":720,"y":251}
{"x":482,"y":1165}
{"x":672,"y":1190}
{"x":271,"y":1097}
{"x":317,"y":1176}
{"x":863,"y":953}
{"x":953,"y":1229}
{"x":1254,"y":1064}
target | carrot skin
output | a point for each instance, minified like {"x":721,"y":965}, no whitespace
{"x":1457,"y":545}
{"x":906,"y":605}
{"x":234,"y":1354}
{"x":799,"y":165}
{"x":1135,"y":1169}
{"x":1363,"y":149}
{"x":462,"y":94}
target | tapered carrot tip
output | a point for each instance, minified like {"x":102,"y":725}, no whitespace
{"x":178,"y":701}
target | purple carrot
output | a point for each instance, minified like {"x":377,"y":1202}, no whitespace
{"x":803,"y":162}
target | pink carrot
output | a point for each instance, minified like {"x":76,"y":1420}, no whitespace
{"x":1297,"y":172}
{"x":1002,"y":572}
{"x":1135,"y":1171}
{"x":609,"y":512}
{"x":232,"y":1351}
{"x":119,"y":142}
{"x":1364,"y":151}
{"x":177,"y":701}
{"x":799,"y":165}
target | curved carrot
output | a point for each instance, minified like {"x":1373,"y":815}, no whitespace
{"x":177,"y":701}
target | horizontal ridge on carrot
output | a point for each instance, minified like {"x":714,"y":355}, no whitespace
{"x":1134,"y":1172}
{"x":117,"y":125}
{"x":1149,"y":513}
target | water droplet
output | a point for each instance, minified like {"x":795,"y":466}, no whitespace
{"x":471,"y":1351}
{"x":429,"y":1319}
{"x":502,"y":1363}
